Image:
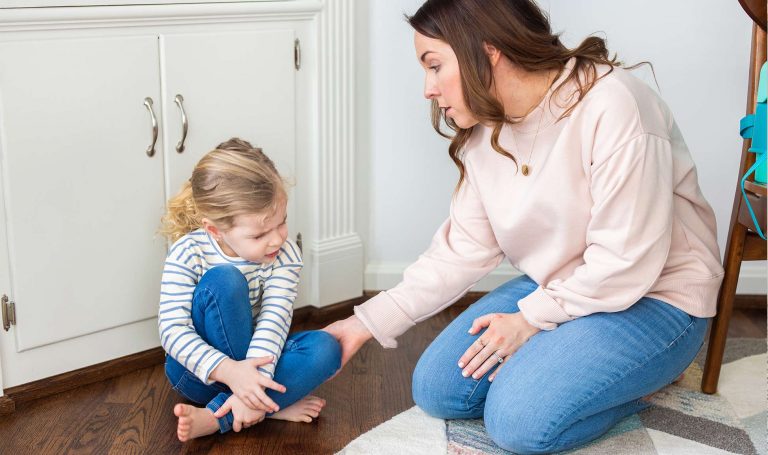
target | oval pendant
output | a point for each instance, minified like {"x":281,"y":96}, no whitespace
{"x":525,"y":170}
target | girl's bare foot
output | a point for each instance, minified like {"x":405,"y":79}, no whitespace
{"x":194,"y":422}
{"x":303,"y":410}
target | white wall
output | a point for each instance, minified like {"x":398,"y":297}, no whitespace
{"x":700,"y":53}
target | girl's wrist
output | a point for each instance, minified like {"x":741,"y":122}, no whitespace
{"x":221,"y":372}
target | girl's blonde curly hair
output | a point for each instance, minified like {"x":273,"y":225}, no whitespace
{"x":234,"y":179}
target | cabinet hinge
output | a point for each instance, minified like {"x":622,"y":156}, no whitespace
{"x":297,"y":54}
{"x":9,"y":312}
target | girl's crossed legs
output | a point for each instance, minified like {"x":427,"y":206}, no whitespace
{"x":221,"y":314}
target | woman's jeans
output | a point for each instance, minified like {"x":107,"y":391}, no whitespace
{"x":221,"y":314}
{"x":565,"y":387}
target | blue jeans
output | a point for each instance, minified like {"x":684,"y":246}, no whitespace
{"x":221,"y":314}
{"x":565,"y":387}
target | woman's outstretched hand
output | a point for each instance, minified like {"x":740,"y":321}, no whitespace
{"x":505,"y":334}
{"x":351,"y":334}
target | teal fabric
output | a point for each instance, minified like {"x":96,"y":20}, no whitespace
{"x":753,"y":126}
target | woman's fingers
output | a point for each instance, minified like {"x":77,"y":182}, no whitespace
{"x":496,"y":371}
{"x":496,"y":358}
{"x":478,"y":360}
{"x":481,"y":322}
{"x":471,"y":353}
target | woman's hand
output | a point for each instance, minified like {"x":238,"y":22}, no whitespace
{"x":351,"y":334}
{"x":505,"y":334}
{"x":247,"y":383}
{"x":243,"y":416}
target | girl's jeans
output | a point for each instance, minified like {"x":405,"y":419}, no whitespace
{"x":565,"y":387}
{"x":221,"y":314}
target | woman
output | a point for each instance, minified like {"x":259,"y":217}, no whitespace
{"x":575,"y":172}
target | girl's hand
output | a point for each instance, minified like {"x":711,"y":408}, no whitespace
{"x":243,"y":416}
{"x":247,"y":383}
{"x":351,"y":334}
{"x":505,"y":334}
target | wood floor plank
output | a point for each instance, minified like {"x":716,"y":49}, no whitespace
{"x":97,"y":430}
{"x":136,"y":430}
{"x":128,"y":388}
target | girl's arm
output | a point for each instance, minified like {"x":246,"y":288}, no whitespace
{"x":181,"y":273}
{"x":274,"y":319}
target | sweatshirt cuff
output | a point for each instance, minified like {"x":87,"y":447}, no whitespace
{"x":384,"y":318}
{"x":542,"y":311}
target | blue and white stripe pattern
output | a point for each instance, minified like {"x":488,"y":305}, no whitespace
{"x":272,"y":290}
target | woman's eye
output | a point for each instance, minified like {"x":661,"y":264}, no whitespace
{"x":435,"y":68}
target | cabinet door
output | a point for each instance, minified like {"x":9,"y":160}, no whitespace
{"x":234,"y":84}
{"x":82,"y":201}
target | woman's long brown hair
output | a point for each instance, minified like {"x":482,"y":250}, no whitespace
{"x":520,"y":30}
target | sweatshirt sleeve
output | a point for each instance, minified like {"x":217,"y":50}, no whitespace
{"x":463,"y":250}
{"x":627,"y":241}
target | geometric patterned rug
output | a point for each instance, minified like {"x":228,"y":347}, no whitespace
{"x":681,"y":420}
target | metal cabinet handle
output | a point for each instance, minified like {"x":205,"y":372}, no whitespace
{"x":151,"y":148}
{"x":179,"y":100}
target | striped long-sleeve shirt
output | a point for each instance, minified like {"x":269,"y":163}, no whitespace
{"x":272,"y":290}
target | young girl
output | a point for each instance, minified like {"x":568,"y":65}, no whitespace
{"x":226,"y":300}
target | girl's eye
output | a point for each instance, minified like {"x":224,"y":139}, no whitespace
{"x":435,"y":68}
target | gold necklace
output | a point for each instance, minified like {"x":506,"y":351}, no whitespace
{"x":526,"y":167}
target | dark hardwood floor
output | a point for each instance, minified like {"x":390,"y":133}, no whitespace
{"x":134,"y":413}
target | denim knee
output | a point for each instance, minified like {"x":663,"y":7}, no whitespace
{"x":226,"y":281}
{"x":326,"y":352}
{"x":438,"y":395}
{"x":519,"y":428}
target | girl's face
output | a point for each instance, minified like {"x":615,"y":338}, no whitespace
{"x":443,"y":79}
{"x":255,"y":238}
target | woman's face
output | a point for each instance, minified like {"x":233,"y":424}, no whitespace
{"x":443,"y":79}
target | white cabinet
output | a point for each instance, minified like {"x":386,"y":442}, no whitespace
{"x":81,"y":198}
{"x":233,"y":84}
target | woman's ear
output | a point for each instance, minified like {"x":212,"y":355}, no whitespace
{"x":494,"y":55}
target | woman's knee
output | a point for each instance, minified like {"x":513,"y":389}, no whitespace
{"x":520,"y":428}
{"x":443,"y":393}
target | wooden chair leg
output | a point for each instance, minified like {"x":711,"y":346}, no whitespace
{"x":719,"y":330}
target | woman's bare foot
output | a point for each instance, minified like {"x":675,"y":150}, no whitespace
{"x":194,"y":422}
{"x":304,"y":410}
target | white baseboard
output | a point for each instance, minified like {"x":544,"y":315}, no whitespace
{"x":386,"y":275}
{"x":336,"y":265}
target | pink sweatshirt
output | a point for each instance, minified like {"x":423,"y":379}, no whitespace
{"x":611,"y":212}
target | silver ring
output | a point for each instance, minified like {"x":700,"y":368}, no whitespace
{"x":499,"y":358}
